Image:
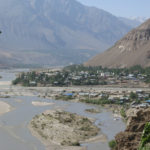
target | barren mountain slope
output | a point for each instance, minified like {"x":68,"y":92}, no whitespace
{"x":133,"y":49}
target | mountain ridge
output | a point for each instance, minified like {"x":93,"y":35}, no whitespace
{"x":132,"y":49}
{"x":64,"y":31}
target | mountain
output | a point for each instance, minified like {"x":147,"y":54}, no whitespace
{"x":132,"y":49}
{"x":55,"y":32}
{"x":139,"y":19}
{"x":131,"y":22}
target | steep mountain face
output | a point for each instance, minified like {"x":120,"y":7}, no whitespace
{"x":53,"y":32}
{"x":133,"y":49}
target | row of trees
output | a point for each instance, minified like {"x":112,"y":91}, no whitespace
{"x":136,"y":70}
{"x":132,"y":70}
{"x":90,"y":76}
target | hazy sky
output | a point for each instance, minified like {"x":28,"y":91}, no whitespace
{"x":124,"y":8}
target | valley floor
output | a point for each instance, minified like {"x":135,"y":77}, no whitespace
{"x":35,"y":100}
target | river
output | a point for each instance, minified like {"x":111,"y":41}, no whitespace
{"x":14,"y":132}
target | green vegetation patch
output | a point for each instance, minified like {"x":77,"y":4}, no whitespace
{"x":123,"y":113}
{"x":145,"y":140}
{"x":112,"y":144}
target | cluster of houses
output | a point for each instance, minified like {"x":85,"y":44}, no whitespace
{"x":121,"y":97}
{"x":102,"y":78}
{"x":91,"y":77}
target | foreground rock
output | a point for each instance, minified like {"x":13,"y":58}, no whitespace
{"x":62,"y":128}
{"x":130,"y":138}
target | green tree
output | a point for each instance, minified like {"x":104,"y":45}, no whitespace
{"x":133,"y":96}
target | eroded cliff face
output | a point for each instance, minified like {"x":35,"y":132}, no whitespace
{"x":130,"y":138}
{"x":135,"y":40}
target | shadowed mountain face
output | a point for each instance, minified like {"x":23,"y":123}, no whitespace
{"x":133,"y":49}
{"x":54,"y":32}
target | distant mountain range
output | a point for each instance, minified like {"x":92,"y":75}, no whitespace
{"x":55,"y":32}
{"x":131,"y":22}
{"x":139,"y":19}
{"x":133,"y":49}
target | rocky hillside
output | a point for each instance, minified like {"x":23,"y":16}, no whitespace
{"x":132,"y":49}
{"x":54,"y":32}
{"x":131,"y":137}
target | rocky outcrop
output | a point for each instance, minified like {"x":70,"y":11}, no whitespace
{"x":130,"y":138}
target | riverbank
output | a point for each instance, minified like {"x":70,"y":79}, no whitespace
{"x":130,"y":139}
{"x":4,"y":108}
